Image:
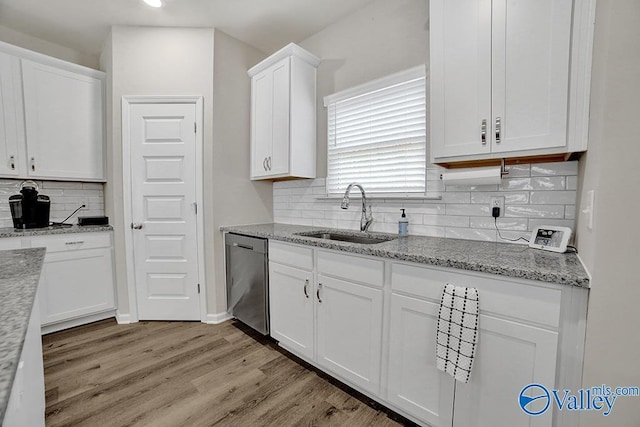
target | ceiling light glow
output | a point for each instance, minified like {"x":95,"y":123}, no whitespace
{"x":154,"y":3}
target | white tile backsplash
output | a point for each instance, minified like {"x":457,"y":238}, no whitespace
{"x":65,"y":198}
{"x":535,"y":194}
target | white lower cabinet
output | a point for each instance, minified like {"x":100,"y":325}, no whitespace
{"x":76,"y":284}
{"x":509,"y":356}
{"x":415,"y":385}
{"x":349,"y":331}
{"x":291,"y":308}
{"x":26,"y":404}
{"x":372,"y":322}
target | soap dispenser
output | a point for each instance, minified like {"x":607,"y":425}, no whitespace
{"x":403,"y":225}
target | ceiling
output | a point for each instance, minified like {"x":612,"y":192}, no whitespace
{"x":83,"y":24}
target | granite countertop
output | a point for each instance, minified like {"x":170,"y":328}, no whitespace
{"x":505,"y":259}
{"x":12,"y":232}
{"x":19,"y":277}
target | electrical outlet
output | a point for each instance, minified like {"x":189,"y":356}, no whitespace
{"x":497,"y":202}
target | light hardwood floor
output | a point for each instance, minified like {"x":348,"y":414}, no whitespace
{"x":189,"y":374}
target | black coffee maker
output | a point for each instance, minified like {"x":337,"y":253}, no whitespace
{"x":29,"y":209}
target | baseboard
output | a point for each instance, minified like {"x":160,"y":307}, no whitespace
{"x":214,"y":319}
{"x":55,"y":327}
{"x":125,"y":318}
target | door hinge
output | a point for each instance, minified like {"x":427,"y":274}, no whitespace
{"x":198,"y":287}
{"x":195,"y":127}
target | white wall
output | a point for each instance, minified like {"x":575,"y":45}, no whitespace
{"x":382,"y":38}
{"x":611,"y":251}
{"x":154,"y":61}
{"x":237,"y":200}
{"x":46,"y":47}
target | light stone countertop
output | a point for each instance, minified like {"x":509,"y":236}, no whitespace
{"x":19,"y":277}
{"x":6,"y":232}
{"x":505,"y":259}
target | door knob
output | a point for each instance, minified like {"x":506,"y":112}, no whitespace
{"x":136,"y":226}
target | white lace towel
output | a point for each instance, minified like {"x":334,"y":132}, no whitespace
{"x":457,"y":331}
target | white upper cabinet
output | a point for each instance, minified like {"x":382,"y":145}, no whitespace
{"x":283,"y":115}
{"x":64,"y":122}
{"x":507,"y":78}
{"x":51,"y":118}
{"x":10,"y":159}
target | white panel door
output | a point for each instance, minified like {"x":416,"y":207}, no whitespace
{"x":291,"y":308}
{"x":349,"y":331}
{"x":279,"y":160}
{"x":530,"y":56}
{"x":64,"y":123}
{"x":414,"y":382}
{"x":460,"y":78}
{"x":10,"y":157}
{"x":163,"y":194}
{"x":509,"y":356}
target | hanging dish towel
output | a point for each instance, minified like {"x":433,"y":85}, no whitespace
{"x":457,"y":331}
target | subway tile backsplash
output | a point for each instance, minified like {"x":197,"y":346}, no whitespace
{"x":537,"y":194}
{"x":65,"y":198}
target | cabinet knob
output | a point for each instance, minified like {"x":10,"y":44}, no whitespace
{"x":318,"y":292}
{"x":136,"y":226}
{"x":483,"y":132}
{"x":12,"y":162}
{"x":33,"y":164}
{"x":306,"y":284}
{"x":498,"y":129}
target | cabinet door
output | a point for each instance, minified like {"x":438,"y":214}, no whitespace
{"x":76,"y":283}
{"x":414,"y":382}
{"x":9,"y":96}
{"x":530,"y":56}
{"x":349,"y":331}
{"x":64,"y":123}
{"x":26,"y":404}
{"x":509,"y":356}
{"x":261,"y":123}
{"x":291,"y":308}
{"x":270,"y":91}
{"x":460,"y":77}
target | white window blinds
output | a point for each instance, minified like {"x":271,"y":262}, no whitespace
{"x":377,"y":135}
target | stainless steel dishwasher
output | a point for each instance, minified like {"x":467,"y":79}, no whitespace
{"x":248,"y":280}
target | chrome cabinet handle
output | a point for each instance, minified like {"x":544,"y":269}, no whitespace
{"x":306,"y":284}
{"x":498,"y":129}
{"x":136,"y":226}
{"x":483,"y":132}
{"x":318,"y":292}
{"x":33,"y":164}
{"x":77,"y":242}
{"x":12,"y":162}
{"x":269,"y":162}
{"x":264,"y":163}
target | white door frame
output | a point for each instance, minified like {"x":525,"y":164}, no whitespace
{"x":127,"y":102}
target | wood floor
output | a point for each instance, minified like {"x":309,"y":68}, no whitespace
{"x":189,"y":374}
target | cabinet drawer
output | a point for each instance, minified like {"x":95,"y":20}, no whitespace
{"x":354,"y":268}
{"x":67,"y":242}
{"x":293,"y":255}
{"x":500,"y":297}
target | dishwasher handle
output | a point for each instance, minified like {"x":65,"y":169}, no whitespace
{"x":239,"y":245}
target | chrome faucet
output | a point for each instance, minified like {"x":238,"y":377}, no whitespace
{"x":367,"y":218}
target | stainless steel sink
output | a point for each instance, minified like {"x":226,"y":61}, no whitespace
{"x":365,"y":240}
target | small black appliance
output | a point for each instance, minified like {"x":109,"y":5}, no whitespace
{"x":29,"y":209}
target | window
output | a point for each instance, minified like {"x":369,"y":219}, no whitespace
{"x":377,"y":135}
